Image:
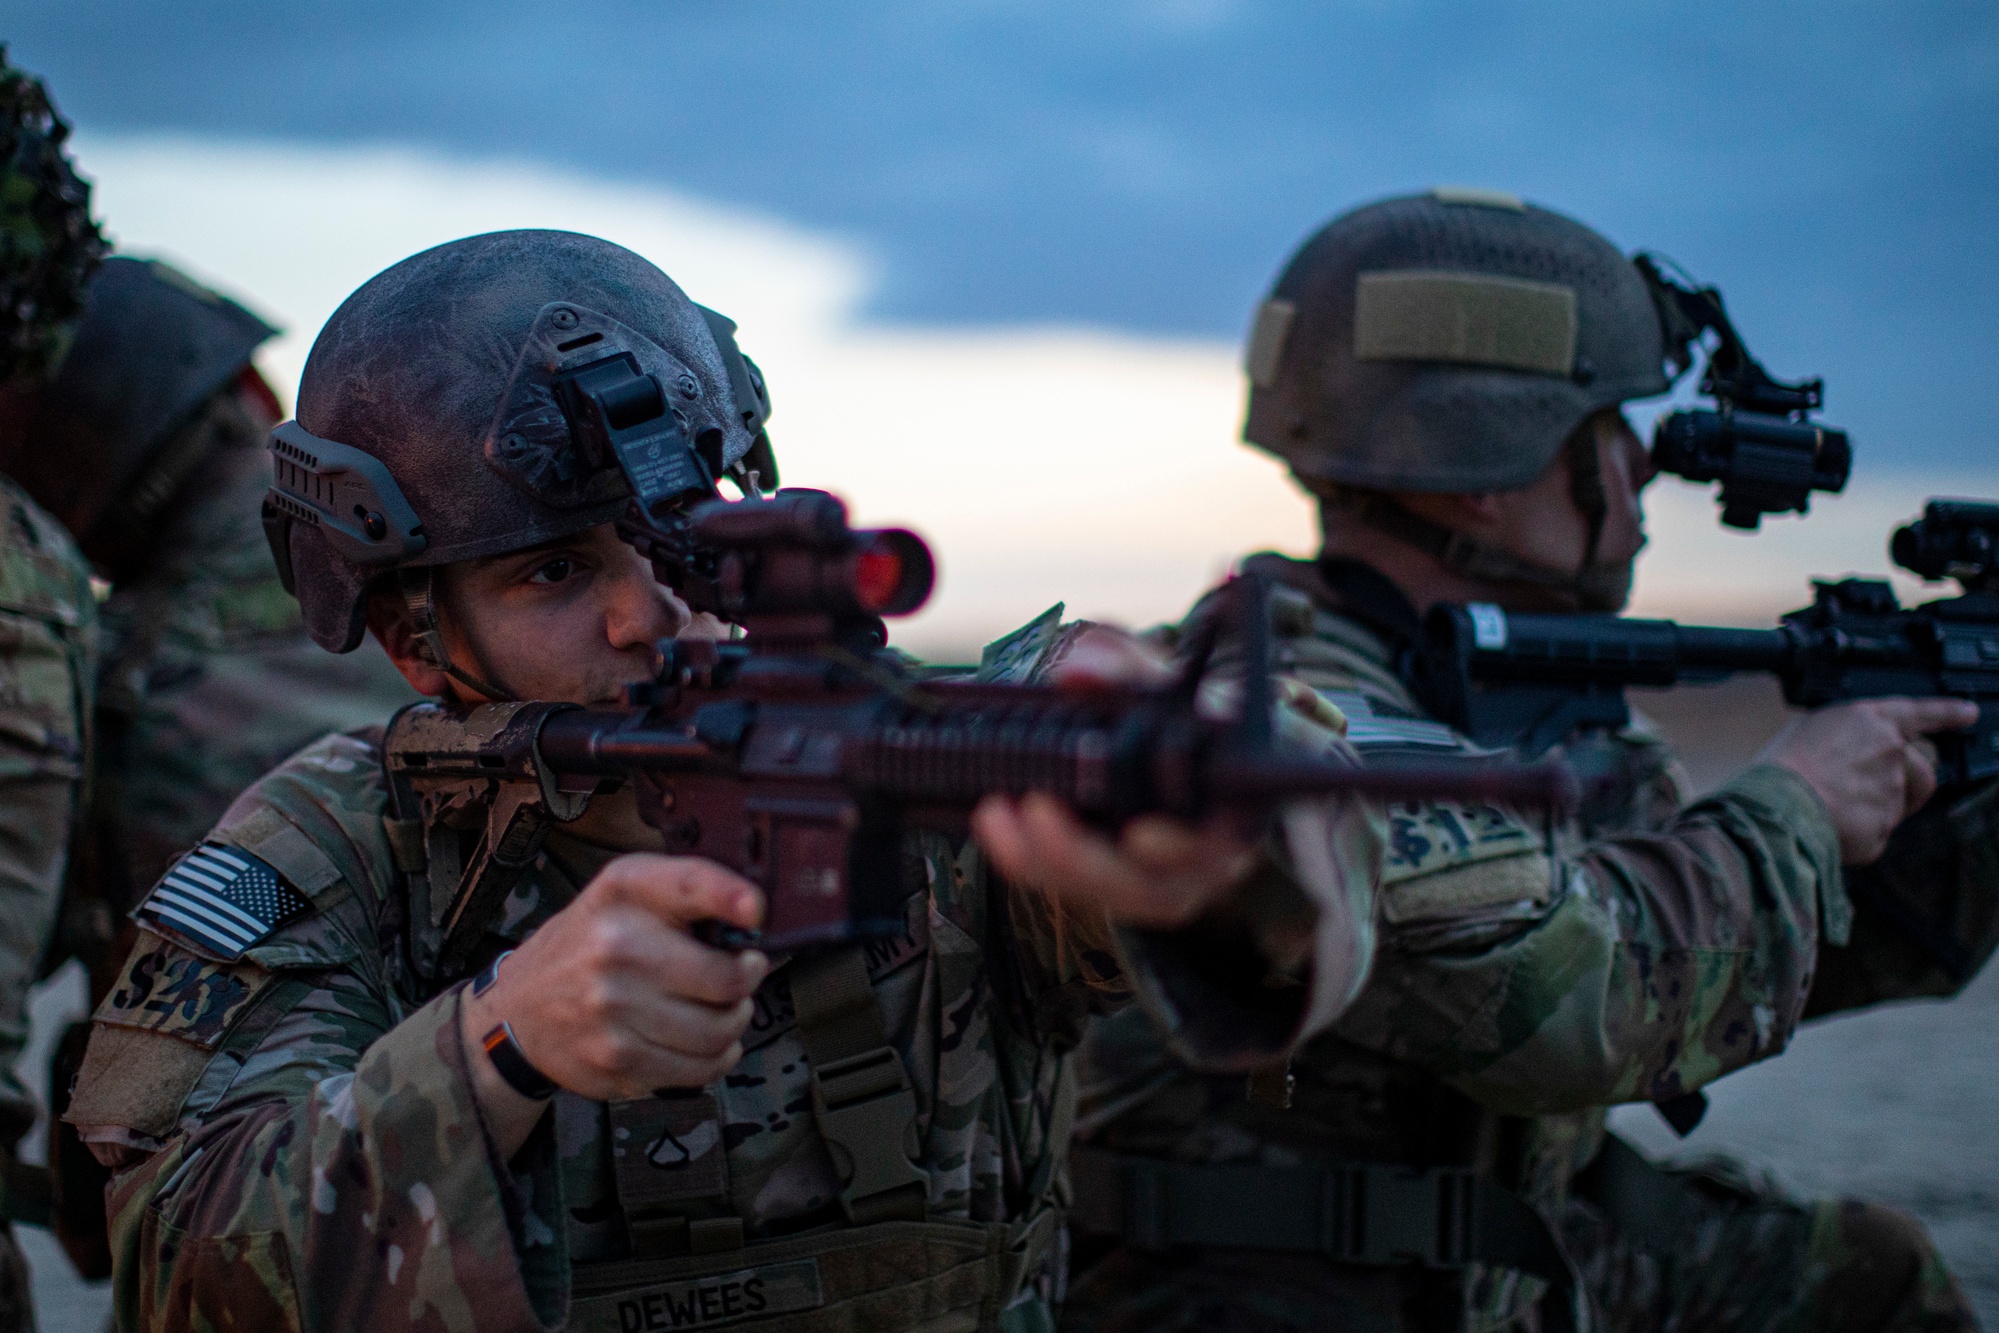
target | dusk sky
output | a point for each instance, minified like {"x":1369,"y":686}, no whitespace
{"x":1130,"y":170}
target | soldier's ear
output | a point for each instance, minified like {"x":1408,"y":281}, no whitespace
{"x":389,"y":622}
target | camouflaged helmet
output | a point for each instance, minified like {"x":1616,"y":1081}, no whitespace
{"x":90,"y":442}
{"x":1449,"y":341}
{"x":492,"y":394}
{"x":48,"y":243}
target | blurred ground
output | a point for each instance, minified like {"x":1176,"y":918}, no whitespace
{"x":1898,"y":1104}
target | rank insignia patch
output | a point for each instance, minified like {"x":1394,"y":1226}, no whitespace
{"x":220,"y":899}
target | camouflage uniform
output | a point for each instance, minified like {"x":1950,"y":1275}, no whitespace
{"x":49,"y":245}
{"x":208,"y":674}
{"x":300,"y":1148}
{"x":1521,"y":987}
{"x":49,"y":622}
{"x":148,"y":442}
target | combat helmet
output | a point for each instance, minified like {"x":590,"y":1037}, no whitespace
{"x":48,"y":243}
{"x":1448,"y":341}
{"x":99,"y":443}
{"x":1453,"y":341}
{"x":492,"y":394}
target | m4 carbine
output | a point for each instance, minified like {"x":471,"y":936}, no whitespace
{"x":799,"y":754}
{"x":1524,"y":682}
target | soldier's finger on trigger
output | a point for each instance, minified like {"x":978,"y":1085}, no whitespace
{"x":694,"y":971}
{"x":1920,"y":717}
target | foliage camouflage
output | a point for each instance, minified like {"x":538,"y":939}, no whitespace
{"x":48,"y":243}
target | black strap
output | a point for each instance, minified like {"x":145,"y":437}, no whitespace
{"x":1366,"y":594}
{"x":1650,"y":1207}
{"x":1363,"y":1213}
{"x":1371,"y":597}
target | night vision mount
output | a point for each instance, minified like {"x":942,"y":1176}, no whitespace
{"x":1758,"y":440}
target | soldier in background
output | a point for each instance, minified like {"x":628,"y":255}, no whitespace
{"x":148,"y":444}
{"x":48,"y":623}
{"x":1445,"y":373}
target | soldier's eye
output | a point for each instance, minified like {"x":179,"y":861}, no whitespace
{"x":553,"y":571}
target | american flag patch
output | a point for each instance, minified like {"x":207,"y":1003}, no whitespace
{"x":220,"y":899}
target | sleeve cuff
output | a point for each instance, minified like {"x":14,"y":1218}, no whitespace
{"x":1236,"y":992}
{"x":1780,"y":796}
{"x":490,"y":1203}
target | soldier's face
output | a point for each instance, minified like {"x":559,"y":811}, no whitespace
{"x":574,"y":621}
{"x":1543,"y":522}
{"x":1627,"y":469}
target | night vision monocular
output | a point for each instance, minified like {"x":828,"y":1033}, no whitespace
{"x":1758,"y":440}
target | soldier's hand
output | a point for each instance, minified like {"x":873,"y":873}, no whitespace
{"x":1869,"y":762}
{"x":1158,"y":872}
{"x":613,"y":997}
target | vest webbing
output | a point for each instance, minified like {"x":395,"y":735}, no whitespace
{"x":890,"y":1271}
{"x":1363,"y":1213}
{"x":861,"y":1094}
{"x":890,"y":1277}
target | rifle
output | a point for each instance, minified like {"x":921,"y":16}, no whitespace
{"x":1524,"y":682}
{"x":799,"y":755}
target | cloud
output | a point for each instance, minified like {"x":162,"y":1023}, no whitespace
{"x":1050,"y":465}
{"x":1054,"y":464}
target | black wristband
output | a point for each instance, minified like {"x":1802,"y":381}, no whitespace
{"x":512,"y":1065}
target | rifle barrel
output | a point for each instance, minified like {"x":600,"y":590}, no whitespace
{"x":1548,"y":649}
{"x":1704,"y":646}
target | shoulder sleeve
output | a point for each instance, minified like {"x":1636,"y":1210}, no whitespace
{"x":314,"y":1155}
{"x":1637,"y":968}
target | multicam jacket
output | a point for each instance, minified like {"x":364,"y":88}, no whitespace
{"x":301,"y":1148}
{"x":1526,"y":978}
{"x":48,"y":644}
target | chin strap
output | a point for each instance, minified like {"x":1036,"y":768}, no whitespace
{"x":1597,"y":586}
{"x":419,"y":590}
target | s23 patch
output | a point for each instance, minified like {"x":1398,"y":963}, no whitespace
{"x":171,"y":990}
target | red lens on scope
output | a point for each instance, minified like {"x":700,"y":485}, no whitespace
{"x":877,"y":577}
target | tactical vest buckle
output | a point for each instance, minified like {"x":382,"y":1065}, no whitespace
{"x":867,"y":1115}
{"x":1402,"y":1215}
